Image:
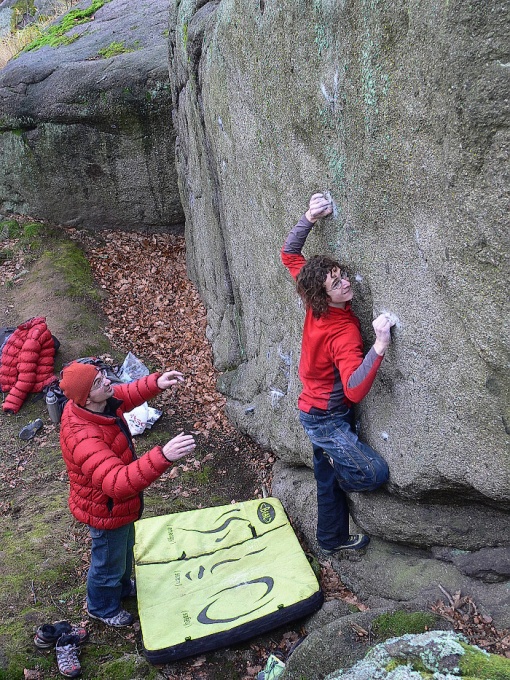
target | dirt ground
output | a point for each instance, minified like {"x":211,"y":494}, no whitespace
{"x":44,"y":553}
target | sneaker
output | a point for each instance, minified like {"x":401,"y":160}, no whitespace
{"x":120,"y":620}
{"x":354,"y":542}
{"x":31,"y":429}
{"x":67,"y":650}
{"x":48,"y":634}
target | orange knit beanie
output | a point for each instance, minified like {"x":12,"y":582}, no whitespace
{"x":77,"y":380}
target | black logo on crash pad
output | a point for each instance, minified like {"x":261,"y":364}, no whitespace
{"x":266,"y":513}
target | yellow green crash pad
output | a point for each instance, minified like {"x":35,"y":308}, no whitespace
{"x":217,"y":576}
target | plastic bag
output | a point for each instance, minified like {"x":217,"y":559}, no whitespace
{"x":274,"y":668}
{"x":132,"y":369}
{"x":154,"y":414}
{"x":141,"y":418}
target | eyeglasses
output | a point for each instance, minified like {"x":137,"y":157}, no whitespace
{"x":99,"y":381}
{"x":337,"y":283}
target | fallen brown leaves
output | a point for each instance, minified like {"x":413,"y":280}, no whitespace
{"x":334,"y":589}
{"x":463,"y":614}
{"x":32,"y":675}
{"x":154,"y":311}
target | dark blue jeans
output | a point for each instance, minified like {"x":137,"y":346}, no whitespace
{"x":109,"y":577}
{"x":341,"y":463}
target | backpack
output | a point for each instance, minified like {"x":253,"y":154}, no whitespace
{"x":112,"y":370}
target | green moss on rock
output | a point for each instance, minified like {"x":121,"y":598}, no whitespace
{"x":438,"y":655}
{"x":477,"y":663}
{"x":113,"y":50}
{"x":399,"y":623}
{"x":70,"y":261}
{"x":56,"y":35}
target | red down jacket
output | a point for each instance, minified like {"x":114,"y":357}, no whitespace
{"x":27,"y":362}
{"x":106,"y":478}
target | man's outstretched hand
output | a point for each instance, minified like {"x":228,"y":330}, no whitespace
{"x":179,"y":446}
{"x":319,"y":206}
{"x":168,"y":379}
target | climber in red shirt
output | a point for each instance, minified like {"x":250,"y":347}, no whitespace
{"x":335,"y":375}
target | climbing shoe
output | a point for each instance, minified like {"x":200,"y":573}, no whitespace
{"x":354,"y":542}
{"x":31,"y":429}
{"x":120,"y":620}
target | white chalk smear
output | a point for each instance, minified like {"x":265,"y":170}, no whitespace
{"x":392,"y":318}
{"x":328,"y":197}
{"x":276,"y":395}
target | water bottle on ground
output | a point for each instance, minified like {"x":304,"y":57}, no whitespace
{"x":53,"y":406}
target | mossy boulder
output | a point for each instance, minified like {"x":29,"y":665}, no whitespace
{"x":346,"y":638}
{"x":86,"y":135}
{"x":435,"y":655}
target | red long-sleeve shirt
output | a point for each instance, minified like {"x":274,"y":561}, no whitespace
{"x":332,"y":368}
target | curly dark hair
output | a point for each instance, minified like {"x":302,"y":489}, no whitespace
{"x":310,"y":283}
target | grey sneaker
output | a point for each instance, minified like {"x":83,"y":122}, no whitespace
{"x":354,"y":542}
{"x":121,"y":619}
{"x":31,"y":429}
{"x":67,"y":650}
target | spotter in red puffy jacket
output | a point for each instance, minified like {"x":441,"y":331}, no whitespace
{"x":106,"y":478}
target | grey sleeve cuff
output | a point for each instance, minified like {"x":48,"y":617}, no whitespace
{"x":297,"y":237}
{"x":361,"y":373}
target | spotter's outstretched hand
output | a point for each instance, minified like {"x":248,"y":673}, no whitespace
{"x":169,"y":378}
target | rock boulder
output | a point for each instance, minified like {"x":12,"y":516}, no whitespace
{"x":85,"y":128}
{"x":401,"y":112}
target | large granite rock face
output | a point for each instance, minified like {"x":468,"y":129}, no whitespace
{"x":86,"y":139}
{"x":400,"y":111}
